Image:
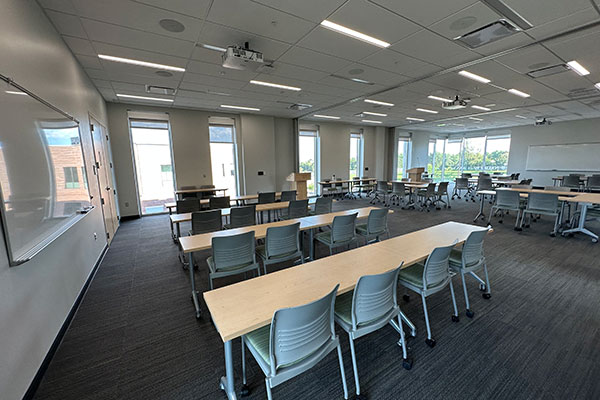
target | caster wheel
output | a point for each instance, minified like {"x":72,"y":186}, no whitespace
{"x":527,"y":226}
{"x":407,"y":364}
{"x":553,"y":235}
{"x":470,"y":314}
{"x":487,"y":296}
{"x":449,"y":207}
{"x":438,"y":208}
{"x":406,"y":298}
{"x":198,"y":315}
{"x":518,"y":229}
{"x":245,"y":391}
{"x":482,"y":287}
{"x":428,"y":210}
{"x":594,"y":240}
{"x":455,"y":318}
{"x":500,"y":221}
{"x":360,"y":397}
{"x":430,"y":342}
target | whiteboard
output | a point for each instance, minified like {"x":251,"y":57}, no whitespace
{"x":43,"y":180}
{"x":564,"y":157}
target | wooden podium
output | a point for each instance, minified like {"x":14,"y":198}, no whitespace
{"x":298,"y":180}
{"x":414,"y":174}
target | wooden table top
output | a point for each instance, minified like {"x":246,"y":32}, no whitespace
{"x":234,"y":198}
{"x":523,"y":190}
{"x":592,"y":198}
{"x":185,"y":217}
{"x":198,"y":190}
{"x":245,"y":306}
{"x":348,"y":181}
{"x":204,"y":241}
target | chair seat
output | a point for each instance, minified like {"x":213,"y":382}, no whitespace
{"x":211,"y":265}
{"x":455,"y":258}
{"x":324,"y":237}
{"x":259,"y":339}
{"x":362,"y":230}
{"x":343,"y":307}
{"x":261,"y":251}
{"x":412,"y":275}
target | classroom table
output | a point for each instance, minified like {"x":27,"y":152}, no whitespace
{"x":350,"y":182}
{"x":413,"y":188}
{"x":191,"y":244}
{"x":248,"y":305}
{"x":240,"y":200}
{"x":179,"y":192}
{"x":503,"y":182}
{"x":586,"y":200}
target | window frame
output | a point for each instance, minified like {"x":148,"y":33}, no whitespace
{"x":236,"y":163}
{"x":312,"y":132}
{"x":360,"y":154}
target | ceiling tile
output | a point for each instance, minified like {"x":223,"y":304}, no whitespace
{"x":67,"y":24}
{"x":259,"y":20}
{"x":566,"y":82}
{"x":466,"y":20}
{"x":371,"y":74}
{"x":529,"y":59}
{"x":549,"y":10}
{"x":58,"y":5}
{"x":335,"y":44}
{"x":79,"y":46}
{"x":400,"y":64}
{"x":217,"y":70}
{"x":313,"y":10}
{"x":102,"y":83}
{"x":565,"y":23}
{"x":285,"y":70}
{"x":89,"y":61}
{"x":213,"y":81}
{"x":194,"y":8}
{"x":314,"y":60}
{"x":143,"y":55}
{"x":424,"y":12}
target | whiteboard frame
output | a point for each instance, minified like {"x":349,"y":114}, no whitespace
{"x":559,"y":169}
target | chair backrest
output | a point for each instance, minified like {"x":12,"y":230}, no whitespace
{"x":234,"y":250}
{"x":571,"y":181}
{"x":558,"y":188}
{"x":377,"y":221}
{"x":398,"y":188}
{"x":594,"y":181}
{"x":542,"y":202}
{"x":288,"y":195}
{"x":466,"y":175}
{"x":338,"y":182}
{"x":443,"y":188}
{"x":192,"y":195}
{"x":282,"y":240}
{"x":484,"y":183}
{"x":382,"y":186}
{"x":343,"y":228}
{"x":522,"y":186}
{"x":206,"y":221}
{"x":186,"y":206}
{"x":525,"y":181}
{"x":472,"y":249}
{"x":462,"y":183}
{"x":577,"y":175}
{"x":298,"y":208}
{"x":436,"y":266}
{"x":375,"y":296}
{"x":507,"y":198}
{"x":266,"y":197}
{"x":209,"y":193}
{"x":430,"y":190}
{"x":219,"y":202}
{"x":298,"y":332}
{"x":323,"y":205}
{"x":242,"y":216}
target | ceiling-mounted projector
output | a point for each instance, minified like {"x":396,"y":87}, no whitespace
{"x":540,"y":121}
{"x":456,"y":104}
{"x":241,"y":58}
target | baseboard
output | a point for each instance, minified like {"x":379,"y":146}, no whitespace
{"x":37,"y":379}
{"x":129,"y":217}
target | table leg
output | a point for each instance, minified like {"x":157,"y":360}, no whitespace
{"x":227,"y":382}
{"x":172,"y":231}
{"x":481,"y":214}
{"x":581,"y":226}
{"x":193,"y":284}
{"x":311,"y":247}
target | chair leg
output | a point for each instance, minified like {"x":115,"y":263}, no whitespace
{"x":339,"y":351}
{"x":455,"y":316}
{"x":269,"y":394}
{"x":488,"y":293}
{"x":243,"y":361}
{"x":354,"y":366}
{"x":402,"y":338}
{"x":210,"y":279}
{"x":470,"y":313}
{"x":430,"y":341}
{"x":517,"y":227}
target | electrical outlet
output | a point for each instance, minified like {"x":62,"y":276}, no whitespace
{"x":126,"y":204}
{"x":95,"y":236}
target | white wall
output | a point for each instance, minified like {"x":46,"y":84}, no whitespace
{"x":35,"y":298}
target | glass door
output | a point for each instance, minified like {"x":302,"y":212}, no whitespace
{"x":223,"y":158}
{"x":356,"y":155}
{"x":151,"y":142}
{"x":308,"y":152}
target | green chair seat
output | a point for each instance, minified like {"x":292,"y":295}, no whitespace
{"x":343,"y":307}
{"x":324,"y":237}
{"x":413,"y":275}
{"x":211,"y":265}
{"x":455,"y":258}
{"x":259,"y":338}
{"x":260,"y":250}
{"x":361,"y":229}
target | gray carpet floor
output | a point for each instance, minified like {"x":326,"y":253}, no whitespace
{"x":135,"y":335}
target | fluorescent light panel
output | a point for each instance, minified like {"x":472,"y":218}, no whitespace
{"x":597,"y":85}
{"x":415,"y":119}
{"x":427,"y":111}
{"x":275,"y":85}
{"x":215,"y":48}
{"x":354,"y":34}
{"x":473,"y":76}
{"x":520,"y":116}
{"x":141,"y":63}
{"x":374,"y":113}
{"x":325,"y":116}
{"x":15,"y":92}
{"x":481,"y":108}
{"x":476,"y":119}
{"x":439,"y":98}
{"x":240,"y":107}
{"x":130,"y":96}
{"x":381,"y":103}
{"x":371,"y":121}
{"x":518,"y":93}
{"x":575,"y":66}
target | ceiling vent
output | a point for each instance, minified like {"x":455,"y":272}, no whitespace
{"x":299,"y":106}
{"x":547,"y":71}
{"x":488,"y":34}
{"x":160,"y":90}
{"x":582,"y":92}
{"x":508,"y":13}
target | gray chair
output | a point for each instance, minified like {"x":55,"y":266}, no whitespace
{"x":296,"y":209}
{"x":205,"y":195}
{"x":323,"y":205}
{"x":215,"y":203}
{"x":427,"y":196}
{"x":187,"y":206}
{"x":342,"y":233}
{"x":441,"y":191}
{"x":288,"y":195}
{"x":375,"y":227}
{"x":369,"y":307}
{"x":339,"y":188}
{"x":429,"y":278}
{"x":242,"y":216}
{"x":328,"y":188}
{"x":282,"y":243}
{"x":380,"y":193}
{"x":466,"y":175}
{"x":399,"y":193}
{"x":206,"y":221}
{"x":507,"y":200}
{"x":297,"y":339}
{"x":467,"y":261}
{"x":266,"y":197}
{"x":193,"y":195}
{"x":542,"y":204}
{"x":593,"y":183}
{"x":571,"y":181}
{"x":460,"y":185}
{"x":232,"y":255}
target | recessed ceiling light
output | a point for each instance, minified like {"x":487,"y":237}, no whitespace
{"x":575,"y":66}
{"x":275,"y":85}
{"x":171,"y":25}
{"x":370,"y":121}
{"x":518,"y":93}
{"x":140,"y":63}
{"x":415,"y":119}
{"x":130,"y":96}
{"x":439,"y":98}
{"x":473,"y":76}
{"x":491,"y":105}
{"x":240,"y":108}
{"x":481,"y":108}
{"x":215,"y":48}
{"x":325,"y":116}
{"x":381,"y":103}
{"x":597,"y":85}
{"x":374,"y":113}
{"x":476,"y":119}
{"x":520,"y":116}
{"x":355,"y":34}
{"x":357,"y":80}
{"x":15,"y":92}
{"x":427,"y":111}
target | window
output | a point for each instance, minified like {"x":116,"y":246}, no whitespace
{"x":496,"y":154}
{"x":401,"y":161}
{"x":356,"y":155}
{"x":71,"y":178}
{"x":308,"y":158}
{"x":452,"y":166}
{"x":166,"y":173}
{"x":223,"y":156}
{"x":84,"y":175}
{"x":474,"y":150}
{"x":436,"y":159}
